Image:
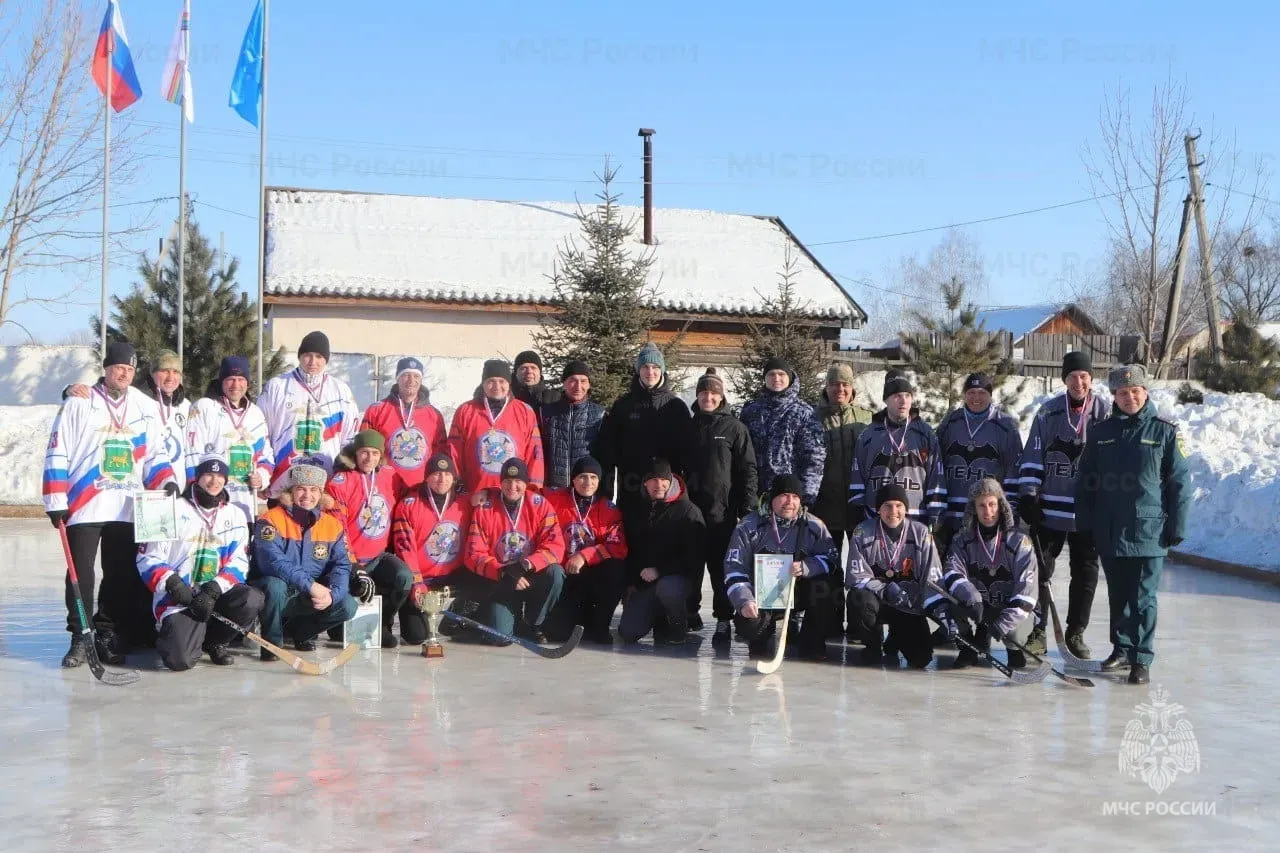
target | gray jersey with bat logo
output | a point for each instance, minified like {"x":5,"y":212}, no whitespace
{"x":1050,"y":461}
{"x":974,"y":447}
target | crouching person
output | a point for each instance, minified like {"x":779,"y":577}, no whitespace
{"x":662,"y":558}
{"x":1000,"y":565}
{"x":200,"y":573}
{"x":783,"y":529}
{"x":514,"y":550}
{"x":300,"y":563}
{"x":891,"y":562}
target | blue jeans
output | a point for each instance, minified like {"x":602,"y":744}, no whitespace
{"x":285,"y":603}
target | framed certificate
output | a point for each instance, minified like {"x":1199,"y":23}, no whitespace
{"x":773,"y":578}
{"x":155,"y":517}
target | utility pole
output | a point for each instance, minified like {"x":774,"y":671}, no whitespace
{"x":1206,"y":249}
{"x":1175,"y":289}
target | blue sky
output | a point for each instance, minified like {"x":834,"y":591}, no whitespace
{"x":847,"y":120}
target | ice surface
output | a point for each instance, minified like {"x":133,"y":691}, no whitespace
{"x":495,"y":749}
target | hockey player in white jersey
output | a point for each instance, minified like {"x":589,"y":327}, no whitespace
{"x":309,"y":413}
{"x":200,"y":573}
{"x":103,"y":449}
{"x":226,"y":422}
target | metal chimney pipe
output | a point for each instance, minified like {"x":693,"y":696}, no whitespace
{"x":647,"y":134}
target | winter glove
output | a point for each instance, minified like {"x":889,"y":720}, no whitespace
{"x":57,"y":517}
{"x":171,"y":489}
{"x":968,"y":601}
{"x":178,"y":590}
{"x":1029,"y":509}
{"x":896,"y":597}
{"x":362,"y":586}
{"x":942,"y":615}
{"x":1003,"y":625}
{"x":201,"y":607}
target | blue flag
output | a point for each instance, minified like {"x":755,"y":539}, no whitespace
{"x":246,"y":85}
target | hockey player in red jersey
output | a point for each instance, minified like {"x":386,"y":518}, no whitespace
{"x":412,"y":427}
{"x":492,"y":428}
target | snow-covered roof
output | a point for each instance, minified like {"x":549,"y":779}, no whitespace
{"x":465,"y":250}
{"x":1020,"y":319}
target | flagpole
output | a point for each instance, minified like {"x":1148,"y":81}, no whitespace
{"x":106,"y":199}
{"x":182,"y":182}
{"x":262,"y":185}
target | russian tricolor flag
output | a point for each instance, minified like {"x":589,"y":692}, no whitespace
{"x":125,"y":88}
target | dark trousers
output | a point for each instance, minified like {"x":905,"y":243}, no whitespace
{"x":124,"y":602}
{"x":1131,"y":589}
{"x":588,"y":598}
{"x":182,"y":638}
{"x":393,"y":580}
{"x":717,"y":543}
{"x":813,"y":599}
{"x":413,"y":622}
{"x":942,"y":536}
{"x":500,"y":602}
{"x":909,"y":632}
{"x":658,"y":605}
{"x":286,"y":606}
{"x":1084,"y":574}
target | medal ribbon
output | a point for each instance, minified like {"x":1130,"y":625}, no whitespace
{"x":1079,"y":428}
{"x":406,"y":417}
{"x":316,"y":395}
{"x":981,"y":421}
{"x":777,"y":537}
{"x":493,"y":419}
{"x":895,"y":553}
{"x":994,"y":552}
{"x":166,"y":409}
{"x":113,"y":407}
{"x":898,"y":446}
{"x":237,"y":423}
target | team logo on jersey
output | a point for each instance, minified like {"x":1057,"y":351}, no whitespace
{"x":444,"y":544}
{"x":494,"y":448}
{"x":579,"y":536}
{"x":307,"y":436}
{"x":172,"y":446}
{"x":907,"y":566}
{"x":375,"y":517}
{"x":407,"y":448}
{"x":512,"y":546}
{"x":1158,"y":744}
{"x":117,"y":459}
{"x":204,"y":566}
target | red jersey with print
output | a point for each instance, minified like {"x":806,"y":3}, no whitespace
{"x":595,"y":534}
{"x":363,"y":503}
{"x":413,"y":433}
{"x":498,"y":537}
{"x":428,"y":538}
{"x":480,"y":441}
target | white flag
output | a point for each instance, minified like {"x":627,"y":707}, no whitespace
{"x":177,"y":71}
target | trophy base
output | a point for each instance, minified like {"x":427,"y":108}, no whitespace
{"x":432,"y":650}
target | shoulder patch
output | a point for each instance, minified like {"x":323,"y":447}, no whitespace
{"x":409,"y":500}
{"x":538,"y":500}
{"x":266,"y":532}
{"x":339,"y":478}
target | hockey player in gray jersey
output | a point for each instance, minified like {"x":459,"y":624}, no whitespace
{"x":977,"y":440}
{"x":898,"y":449}
{"x":1050,"y":471}
{"x":781,"y":526}
{"x":891,"y":563}
{"x":997,"y":558}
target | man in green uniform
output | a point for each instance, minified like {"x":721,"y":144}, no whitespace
{"x":1134,"y":493}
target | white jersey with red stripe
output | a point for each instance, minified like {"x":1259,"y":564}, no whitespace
{"x":100,"y":453}
{"x":211,"y":546}
{"x":306,"y":419}
{"x":239,"y":437}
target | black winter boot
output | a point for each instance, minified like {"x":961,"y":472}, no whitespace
{"x":108,"y":646}
{"x":220,"y":655}
{"x":1117,"y":662}
{"x":1139,"y":674}
{"x":723,"y":637}
{"x":77,"y":654}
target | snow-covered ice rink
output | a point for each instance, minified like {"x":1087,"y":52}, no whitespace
{"x":497,"y":750}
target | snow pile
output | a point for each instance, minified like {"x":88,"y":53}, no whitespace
{"x":24,"y":434}
{"x":32,"y":375}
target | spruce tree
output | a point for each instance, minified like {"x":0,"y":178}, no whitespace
{"x":602,"y":301}
{"x":785,"y":334}
{"x":220,"y":319}
{"x":952,"y":348}
{"x":1251,"y":363}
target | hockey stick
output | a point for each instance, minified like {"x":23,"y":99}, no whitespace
{"x":1040,"y":673}
{"x":1070,"y":679}
{"x":765,"y":667}
{"x":1069,"y":659}
{"x":100,"y":672}
{"x":299,"y":663}
{"x":541,"y":651}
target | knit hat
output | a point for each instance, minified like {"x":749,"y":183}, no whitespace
{"x":167,"y":359}
{"x":777,"y":362}
{"x":577,"y":367}
{"x":316,"y":342}
{"x":211,"y":463}
{"x":515,"y":469}
{"x":306,"y":473}
{"x":658,"y":468}
{"x":1073,"y":361}
{"x":711,"y":381}
{"x":785,"y":484}
{"x":120,"y":352}
{"x":368,"y":438}
{"x":409,"y":364}
{"x":896,"y":383}
{"x":233,"y":365}
{"x":496,"y":368}
{"x":892,"y":492}
{"x":586,"y":465}
{"x":979,"y":380}
{"x":650,"y":354}
{"x":1127,"y":376}
{"x":528,"y":357}
{"x":441,"y":462}
{"x":840,"y":373}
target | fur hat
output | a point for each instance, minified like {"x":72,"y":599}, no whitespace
{"x":982,"y":488}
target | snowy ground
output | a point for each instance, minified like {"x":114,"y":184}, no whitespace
{"x":495,"y":749}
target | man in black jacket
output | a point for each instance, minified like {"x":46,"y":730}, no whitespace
{"x":570,"y":426}
{"x":648,"y":421}
{"x":662,"y":558}
{"x":720,"y":471}
{"x":528,"y":386}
